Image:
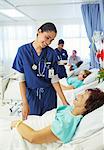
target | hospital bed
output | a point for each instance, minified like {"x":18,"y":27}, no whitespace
{"x":89,"y":82}
{"x":10,"y":96}
{"x":89,"y":135}
{"x":4,"y":80}
{"x":11,"y":92}
{"x":84,"y":66}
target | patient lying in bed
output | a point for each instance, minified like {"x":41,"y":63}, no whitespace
{"x":65,"y":122}
{"x":75,"y":82}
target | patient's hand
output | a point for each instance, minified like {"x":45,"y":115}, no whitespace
{"x":69,"y":87}
{"x":65,"y":103}
{"x":62,"y":86}
{"x":13,"y":124}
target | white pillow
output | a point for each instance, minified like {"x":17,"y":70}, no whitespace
{"x":101,"y":86}
{"x":83,"y":66}
{"x":90,"y":78}
{"x":91,"y":123}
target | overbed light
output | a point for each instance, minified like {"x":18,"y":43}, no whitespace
{"x":11,"y":12}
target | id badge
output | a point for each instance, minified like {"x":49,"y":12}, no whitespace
{"x":51,"y":73}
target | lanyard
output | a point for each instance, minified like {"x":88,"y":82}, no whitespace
{"x":59,"y":57}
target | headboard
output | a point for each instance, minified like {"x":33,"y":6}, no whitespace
{"x":4,"y":80}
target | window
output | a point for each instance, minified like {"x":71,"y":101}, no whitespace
{"x":11,"y":38}
{"x":75,"y":37}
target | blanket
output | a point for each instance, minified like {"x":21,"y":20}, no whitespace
{"x":11,"y":139}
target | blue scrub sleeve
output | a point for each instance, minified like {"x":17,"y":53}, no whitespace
{"x":64,"y":126}
{"x":55,"y":63}
{"x":18,"y":62}
{"x":66,"y":54}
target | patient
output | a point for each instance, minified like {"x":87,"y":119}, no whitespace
{"x":75,"y":82}
{"x":75,"y":66}
{"x":66,"y":120}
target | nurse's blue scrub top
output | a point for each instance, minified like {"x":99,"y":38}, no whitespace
{"x":61,"y":55}
{"x":40,"y":93}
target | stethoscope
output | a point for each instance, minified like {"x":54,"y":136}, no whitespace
{"x":38,"y":66}
{"x":59,"y":57}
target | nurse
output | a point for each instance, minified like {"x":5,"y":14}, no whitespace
{"x":37,"y":64}
{"x":62,"y":58}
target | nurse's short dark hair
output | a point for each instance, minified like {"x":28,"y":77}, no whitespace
{"x":48,"y":27}
{"x":61,"y":41}
{"x":95,"y":100}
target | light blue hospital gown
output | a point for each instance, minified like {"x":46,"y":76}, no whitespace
{"x":65,"y":123}
{"x":74,"y":81}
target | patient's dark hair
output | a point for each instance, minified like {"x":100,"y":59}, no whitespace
{"x":95,"y":100}
{"x":61,"y":41}
{"x":79,"y":63}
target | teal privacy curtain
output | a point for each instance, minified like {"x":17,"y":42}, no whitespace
{"x":92,"y":20}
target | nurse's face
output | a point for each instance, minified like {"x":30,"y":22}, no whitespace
{"x":45,"y":38}
{"x":60,"y":46}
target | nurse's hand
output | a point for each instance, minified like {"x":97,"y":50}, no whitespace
{"x":65,"y":103}
{"x":25,"y":110}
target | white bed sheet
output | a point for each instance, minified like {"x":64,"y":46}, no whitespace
{"x":15,"y":142}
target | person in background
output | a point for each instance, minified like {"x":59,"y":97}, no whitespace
{"x":74,"y":60}
{"x":75,"y":82}
{"x":62,"y":58}
{"x":61,"y":53}
{"x":75,"y":66}
{"x":36,"y":64}
{"x":66,"y":121}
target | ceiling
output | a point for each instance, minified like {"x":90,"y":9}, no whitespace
{"x":36,"y":10}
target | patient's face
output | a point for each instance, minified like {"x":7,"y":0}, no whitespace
{"x":81,"y":75}
{"x":81,"y":99}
